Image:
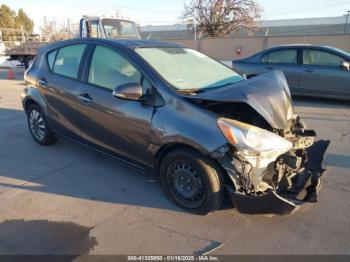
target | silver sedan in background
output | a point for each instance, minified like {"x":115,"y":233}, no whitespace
{"x":310,"y":70}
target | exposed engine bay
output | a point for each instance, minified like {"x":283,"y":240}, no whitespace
{"x":272,"y":159}
{"x":277,"y":183}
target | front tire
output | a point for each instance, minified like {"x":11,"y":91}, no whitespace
{"x":192,"y":181}
{"x":38,"y":126}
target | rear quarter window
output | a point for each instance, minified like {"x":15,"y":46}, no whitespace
{"x":51,"y":59}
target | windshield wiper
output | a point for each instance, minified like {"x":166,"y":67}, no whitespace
{"x":227,"y":84}
{"x":205,"y":89}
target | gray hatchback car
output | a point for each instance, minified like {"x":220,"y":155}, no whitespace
{"x":310,"y":70}
{"x":202,"y":128}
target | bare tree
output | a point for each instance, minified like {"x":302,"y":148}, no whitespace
{"x":52,"y":30}
{"x":221,"y":17}
{"x":47,"y":29}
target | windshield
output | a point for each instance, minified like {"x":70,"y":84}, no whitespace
{"x":115,"y":28}
{"x":343,"y":52}
{"x":187,"y":69}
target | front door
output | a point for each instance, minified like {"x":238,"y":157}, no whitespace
{"x":118,"y":126}
{"x":322,"y":74}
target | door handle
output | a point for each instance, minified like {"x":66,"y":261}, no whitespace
{"x":85,"y":98}
{"x":42,"y":82}
{"x":309,"y":70}
{"x":269,"y":67}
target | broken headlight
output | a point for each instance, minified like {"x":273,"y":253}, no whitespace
{"x":251,"y":139}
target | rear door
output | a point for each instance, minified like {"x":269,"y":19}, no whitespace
{"x":120,"y":127}
{"x":322,"y":73}
{"x":285,"y":60}
{"x":59,"y":87}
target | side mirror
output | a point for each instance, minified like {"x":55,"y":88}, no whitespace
{"x":345,"y":66}
{"x":129,"y":92}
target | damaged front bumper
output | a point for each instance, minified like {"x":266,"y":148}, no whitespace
{"x":304,"y":188}
{"x":280,"y":188}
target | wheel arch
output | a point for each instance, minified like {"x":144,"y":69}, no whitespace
{"x":31,"y":96}
{"x":167,"y":148}
{"x":28,"y":102}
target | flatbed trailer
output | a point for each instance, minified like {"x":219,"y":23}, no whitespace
{"x":26,"y":52}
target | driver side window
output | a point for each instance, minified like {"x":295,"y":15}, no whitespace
{"x":321,"y":58}
{"x":109,"y":69}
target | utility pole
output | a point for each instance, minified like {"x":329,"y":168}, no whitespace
{"x":266,"y":39}
{"x":195,"y":35}
{"x":192,"y":22}
{"x":346,"y":23}
{"x":68,"y":28}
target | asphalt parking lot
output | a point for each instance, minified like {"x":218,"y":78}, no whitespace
{"x":67,"y":199}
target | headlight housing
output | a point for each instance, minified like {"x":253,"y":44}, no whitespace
{"x":249,"y":138}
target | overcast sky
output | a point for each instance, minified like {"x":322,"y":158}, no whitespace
{"x":157,"y":12}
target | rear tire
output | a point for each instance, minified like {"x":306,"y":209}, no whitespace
{"x":38,"y":126}
{"x":192,"y":181}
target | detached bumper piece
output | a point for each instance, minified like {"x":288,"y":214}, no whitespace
{"x":305,"y":187}
{"x":269,"y":203}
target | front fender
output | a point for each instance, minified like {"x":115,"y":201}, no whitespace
{"x":181,"y":122}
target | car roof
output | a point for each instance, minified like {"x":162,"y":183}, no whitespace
{"x":126,"y":43}
{"x":320,"y":47}
{"x":304,"y":46}
{"x":301,"y":46}
{"x":258,"y":55}
{"x":132,"y":43}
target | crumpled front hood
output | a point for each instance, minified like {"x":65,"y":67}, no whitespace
{"x":268,"y":94}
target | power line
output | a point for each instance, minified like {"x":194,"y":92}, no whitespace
{"x":322,"y":7}
{"x":301,"y":5}
{"x":146,"y":10}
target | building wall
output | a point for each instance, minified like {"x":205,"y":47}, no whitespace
{"x":225,"y":48}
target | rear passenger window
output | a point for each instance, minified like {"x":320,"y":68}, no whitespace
{"x":288,"y":56}
{"x":109,"y":69}
{"x":68,"y":60}
{"x":51,"y":58}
